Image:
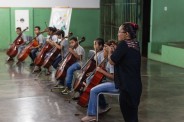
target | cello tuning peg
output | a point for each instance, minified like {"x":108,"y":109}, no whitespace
{"x":70,"y":33}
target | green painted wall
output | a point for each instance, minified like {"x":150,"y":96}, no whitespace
{"x":173,"y":55}
{"x":166,"y":29}
{"x":41,"y":15}
{"x":166,"y":26}
{"x":5,"y":28}
{"x":170,"y":55}
{"x":84,"y":22}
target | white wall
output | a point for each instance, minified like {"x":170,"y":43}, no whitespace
{"x":51,"y":3}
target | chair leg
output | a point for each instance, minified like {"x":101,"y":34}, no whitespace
{"x":97,"y":115}
{"x":97,"y":107}
{"x":118,"y":98}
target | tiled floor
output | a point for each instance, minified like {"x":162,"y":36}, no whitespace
{"x":26,"y":98}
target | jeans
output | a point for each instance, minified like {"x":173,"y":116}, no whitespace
{"x":33,"y":53}
{"x":56,"y":61}
{"x":92,"y":105}
{"x":70,"y":72}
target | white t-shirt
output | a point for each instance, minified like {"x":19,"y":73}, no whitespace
{"x":109,"y":68}
{"x":54,"y":38}
{"x":65,"y":44}
{"x":100,"y":57}
{"x":24,"y":37}
{"x":80,"y":51}
{"x":40,"y":39}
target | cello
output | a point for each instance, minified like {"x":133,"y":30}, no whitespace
{"x":97,"y":78}
{"x":39,"y":60}
{"x":66,"y":63}
{"x":54,"y":53}
{"x":26,"y":51}
{"x":89,"y":67}
{"x":12,"y":51}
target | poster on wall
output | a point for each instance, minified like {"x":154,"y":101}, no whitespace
{"x":22,"y":19}
{"x":60,"y":18}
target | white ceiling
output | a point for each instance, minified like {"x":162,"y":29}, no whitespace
{"x":51,"y":3}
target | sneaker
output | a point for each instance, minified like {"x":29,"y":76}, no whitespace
{"x":66,"y":91}
{"x":37,"y":69}
{"x":88,"y":119}
{"x":18,"y":63}
{"x":10,"y":59}
{"x":59,"y":86}
{"x":32,"y":64}
{"x":102,"y":111}
{"x":58,"y":83}
{"x":75,"y":98}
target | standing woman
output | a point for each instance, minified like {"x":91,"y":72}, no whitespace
{"x":126,"y":59}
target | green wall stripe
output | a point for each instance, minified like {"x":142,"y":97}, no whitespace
{"x":5,"y":28}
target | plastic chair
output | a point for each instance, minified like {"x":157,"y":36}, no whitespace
{"x":105,"y":93}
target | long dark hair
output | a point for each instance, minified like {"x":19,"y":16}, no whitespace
{"x":131,"y":28}
{"x":100,"y":41}
{"x":53,"y":29}
{"x":60,"y":33}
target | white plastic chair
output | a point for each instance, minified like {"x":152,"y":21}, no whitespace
{"x":105,"y":93}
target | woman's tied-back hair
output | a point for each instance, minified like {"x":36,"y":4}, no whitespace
{"x":131,"y":28}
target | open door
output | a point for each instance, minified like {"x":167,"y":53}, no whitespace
{"x":146,"y":26}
